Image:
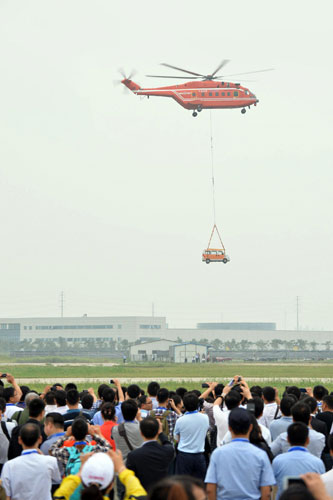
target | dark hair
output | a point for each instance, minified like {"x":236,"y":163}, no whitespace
{"x":293,"y":389}
{"x":258,"y":406}
{"x":175,"y":488}
{"x":29,"y":433}
{"x":102,"y":388}
{"x":56,"y":419}
{"x":129,"y":409}
{"x":297,"y":492}
{"x":285,"y":405}
{"x":153,"y":388}
{"x":218,"y":389}
{"x":162,"y":395}
{"x":257,"y":439}
{"x":181,"y":391}
{"x":60,"y":397}
{"x":176,"y":399}
{"x":25,"y":389}
{"x":108,"y":411}
{"x":55,"y":385}
{"x":329,"y":401}
{"x":70,"y":386}
{"x":87,"y":401}
{"x":301,"y":413}
{"x":36,"y":406}
{"x":239,"y":426}
{"x":256,"y":390}
{"x":8,"y":393}
{"x":92,"y":492}
{"x":2,"y":405}
{"x":232,"y":399}
{"x":108,"y":395}
{"x":191,"y":401}
{"x":49,"y":398}
{"x":133,"y":391}
{"x":73,"y":397}
{"x":311,"y":402}
{"x":297,"y":434}
{"x":149,"y":427}
{"x":319,"y":391}
{"x":79,"y":428}
{"x":269,"y":393}
{"x":142,"y":400}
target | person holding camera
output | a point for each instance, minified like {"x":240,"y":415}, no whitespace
{"x":190,"y":432}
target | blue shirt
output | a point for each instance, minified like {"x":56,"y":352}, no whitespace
{"x":239,"y":469}
{"x":98,"y":419}
{"x":280,"y":425}
{"x":315,"y":446}
{"x":298,"y":460}
{"x":192,"y":428}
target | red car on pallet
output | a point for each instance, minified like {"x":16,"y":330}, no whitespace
{"x":214,"y":255}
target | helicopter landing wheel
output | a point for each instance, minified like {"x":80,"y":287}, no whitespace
{"x":243,"y":111}
{"x":199,"y":108}
{"x":194,"y":114}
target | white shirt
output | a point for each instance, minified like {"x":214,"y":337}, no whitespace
{"x":328,"y":481}
{"x":221,"y":421}
{"x":61,"y":409}
{"x":269,"y":414}
{"x":30,"y":476}
{"x":4,"y":443}
{"x":50,"y":409}
{"x":264,"y":432}
{"x":10,"y":410}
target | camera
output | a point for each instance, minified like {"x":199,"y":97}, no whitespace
{"x":204,"y":386}
{"x":111,"y":381}
{"x":3,"y":375}
{"x":290,"y":480}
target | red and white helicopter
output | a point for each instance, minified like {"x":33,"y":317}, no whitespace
{"x":203,"y":92}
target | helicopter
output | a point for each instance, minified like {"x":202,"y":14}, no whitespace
{"x":203,"y":92}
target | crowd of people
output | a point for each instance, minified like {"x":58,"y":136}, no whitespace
{"x":220,"y":442}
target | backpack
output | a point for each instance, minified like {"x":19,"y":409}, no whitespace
{"x":74,"y":460}
{"x":163,"y":419}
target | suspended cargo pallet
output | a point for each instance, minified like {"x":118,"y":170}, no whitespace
{"x":215,"y":254}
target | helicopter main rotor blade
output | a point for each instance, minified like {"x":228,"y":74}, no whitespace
{"x":223,"y":63}
{"x":178,"y":77}
{"x":249,"y":72}
{"x":181,"y":69}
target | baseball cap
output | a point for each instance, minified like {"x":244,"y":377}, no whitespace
{"x":240,"y":416}
{"x":98,"y":469}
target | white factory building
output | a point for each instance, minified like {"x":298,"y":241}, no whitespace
{"x":146,"y":328}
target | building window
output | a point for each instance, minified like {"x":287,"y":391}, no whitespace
{"x":216,"y":93}
{"x":151,"y":327}
{"x":210,"y":93}
{"x":236,"y":93}
{"x":119,"y":327}
{"x":202,"y":94}
{"x":223,"y":93}
{"x":193,"y":94}
{"x":228,"y":93}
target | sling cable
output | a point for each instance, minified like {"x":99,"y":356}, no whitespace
{"x":214,"y":254}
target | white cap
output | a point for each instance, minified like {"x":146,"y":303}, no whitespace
{"x":98,"y":469}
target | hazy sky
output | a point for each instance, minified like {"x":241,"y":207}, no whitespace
{"x":108,"y":196}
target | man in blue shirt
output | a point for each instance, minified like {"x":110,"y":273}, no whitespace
{"x":190,"y":432}
{"x":298,"y":460}
{"x":281,"y":424}
{"x":239,"y":470}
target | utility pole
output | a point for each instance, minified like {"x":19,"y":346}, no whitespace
{"x":62,"y":295}
{"x":297,"y":313}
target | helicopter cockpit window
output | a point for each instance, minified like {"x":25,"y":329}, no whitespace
{"x":246,"y":92}
{"x":235,"y":93}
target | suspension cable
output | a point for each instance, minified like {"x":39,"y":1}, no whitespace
{"x":212,"y":163}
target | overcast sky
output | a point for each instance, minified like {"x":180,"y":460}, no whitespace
{"x":107,"y":196}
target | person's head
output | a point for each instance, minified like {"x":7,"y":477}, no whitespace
{"x":256,"y":390}
{"x":327,"y":403}
{"x":108,"y":411}
{"x":60,"y":397}
{"x":285,"y":405}
{"x":258,"y":406}
{"x":296,"y":492}
{"x":2,"y":406}
{"x":232,"y":400}
{"x":70,"y":386}
{"x":311,"y":402}
{"x":54,"y":423}
{"x":191,"y":401}
{"x":319,"y":391}
{"x":149,"y":428}
{"x":56,"y":387}
{"x":145,"y":402}
{"x":129,"y":409}
{"x":298,"y":434}
{"x":268,"y":393}
{"x":301,"y":413}
{"x":36,"y":409}
{"x":79,"y":428}
{"x":293,"y":389}
{"x":108,"y":395}
{"x":29,"y":397}
{"x":178,"y":488}
{"x":102,"y":388}
{"x":9,"y":393}
{"x":163,"y":395}
{"x":240,"y":422}
{"x":30,"y":436}
{"x":181,"y":391}
{"x":133,"y":391}
{"x":97,"y":475}
{"x":73,"y":398}
{"x":153,"y":388}
{"x":49,"y":398}
{"x":218,"y":390}
{"x":87,"y":401}
{"x":178,"y":401}
{"x":25,"y":389}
